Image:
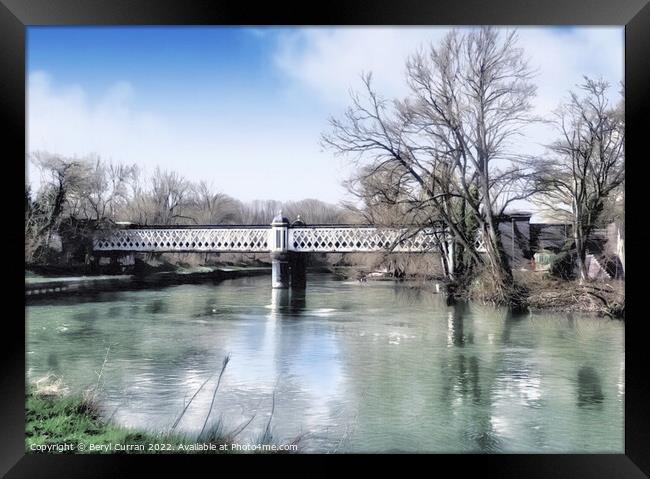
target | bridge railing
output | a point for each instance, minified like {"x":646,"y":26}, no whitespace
{"x":184,"y":240}
{"x":361,"y":239}
{"x":312,"y":238}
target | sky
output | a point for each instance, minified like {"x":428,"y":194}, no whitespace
{"x":243,"y":108}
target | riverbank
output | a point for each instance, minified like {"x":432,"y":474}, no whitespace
{"x":600,"y":298}
{"x":58,"y":422}
{"x":539,"y":292}
{"x":42,"y":287}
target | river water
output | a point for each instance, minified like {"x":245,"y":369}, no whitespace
{"x":345,"y":367}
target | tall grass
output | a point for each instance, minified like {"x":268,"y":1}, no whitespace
{"x":54,"y":417}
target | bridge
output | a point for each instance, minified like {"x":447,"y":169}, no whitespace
{"x":286,"y":242}
{"x":289,"y":242}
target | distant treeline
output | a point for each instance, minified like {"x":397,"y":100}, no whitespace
{"x":93,"y":191}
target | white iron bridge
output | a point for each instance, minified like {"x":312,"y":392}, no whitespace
{"x":276,"y":237}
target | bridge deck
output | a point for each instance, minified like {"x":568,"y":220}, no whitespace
{"x":257,"y":239}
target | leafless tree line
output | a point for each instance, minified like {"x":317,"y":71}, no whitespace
{"x":80,"y":192}
{"x":444,"y":153}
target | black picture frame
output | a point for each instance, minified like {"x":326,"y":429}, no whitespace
{"x":16,"y":15}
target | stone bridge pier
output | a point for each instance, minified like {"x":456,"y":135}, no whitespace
{"x":288,"y":268}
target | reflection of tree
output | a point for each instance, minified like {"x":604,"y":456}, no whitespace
{"x":511,"y":320}
{"x":466,"y":380}
{"x":590,"y":391}
{"x":465,"y":385}
{"x":467,"y":397}
{"x":53,"y":362}
{"x":423,"y":379}
{"x":519,"y":405}
{"x":455,"y":327}
{"x":157,"y":306}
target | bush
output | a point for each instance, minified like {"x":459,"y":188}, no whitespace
{"x":563,"y":264}
{"x":483,"y":287}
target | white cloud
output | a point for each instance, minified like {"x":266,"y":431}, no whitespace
{"x":329,"y":62}
{"x":242,"y":155}
{"x":66,"y":122}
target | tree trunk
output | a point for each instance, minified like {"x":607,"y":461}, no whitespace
{"x":444,"y":258}
{"x":498,"y":265}
{"x":580,"y":253}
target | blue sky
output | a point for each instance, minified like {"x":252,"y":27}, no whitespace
{"x":243,"y":108}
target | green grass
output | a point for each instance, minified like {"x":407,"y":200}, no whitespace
{"x":55,"y":420}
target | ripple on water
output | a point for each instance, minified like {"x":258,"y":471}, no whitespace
{"x":362,"y":368}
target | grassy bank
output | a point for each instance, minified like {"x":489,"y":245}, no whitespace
{"x":55,"y":421}
{"x":59,"y":422}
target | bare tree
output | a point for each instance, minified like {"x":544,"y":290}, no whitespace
{"x":444,"y":152}
{"x":313,"y":211}
{"x":259,"y":212}
{"x":104,"y":190}
{"x":213,"y":207}
{"x":62,"y":178}
{"x":586,"y":162}
{"x":171,"y":196}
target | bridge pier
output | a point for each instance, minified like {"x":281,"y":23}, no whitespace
{"x":280,"y":266}
{"x":288,"y":268}
{"x":298,"y":263}
{"x":298,"y":267}
{"x":280,"y":270}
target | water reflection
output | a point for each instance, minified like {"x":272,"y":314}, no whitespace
{"x":511,"y":321}
{"x":157,"y":306}
{"x":114,"y":312}
{"x":484,"y":436}
{"x":364,"y":367}
{"x":467,"y":377}
{"x":87,"y":316}
{"x":53,"y":361}
{"x":297,"y":301}
{"x":279,"y":300}
{"x":288,"y":302}
{"x":455,"y":325}
{"x":590,"y":391}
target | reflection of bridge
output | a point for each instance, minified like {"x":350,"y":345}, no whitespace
{"x":287,"y":242}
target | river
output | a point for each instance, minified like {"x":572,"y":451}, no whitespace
{"x":345,"y":367}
